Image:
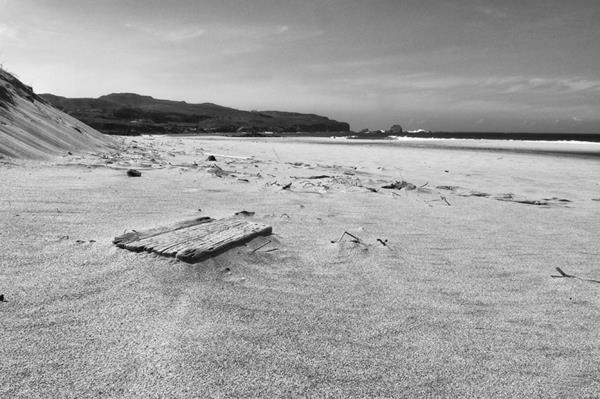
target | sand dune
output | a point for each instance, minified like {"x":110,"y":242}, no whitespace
{"x":32,"y":128}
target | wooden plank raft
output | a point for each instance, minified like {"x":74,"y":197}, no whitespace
{"x":193,"y":240}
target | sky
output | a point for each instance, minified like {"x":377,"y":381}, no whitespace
{"x":453,"y":65}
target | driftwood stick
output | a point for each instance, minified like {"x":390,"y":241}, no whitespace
{"x":563,"y":274}
{"x":260,"y":246}
{"x":351,"y":235}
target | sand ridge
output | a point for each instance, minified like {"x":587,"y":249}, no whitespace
{"x":31,"y":128}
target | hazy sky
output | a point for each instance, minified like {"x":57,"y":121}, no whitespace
{"x":518,"y":65}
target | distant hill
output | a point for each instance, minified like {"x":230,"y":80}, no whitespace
{"x":30,"y":127}
{"x":129,"y":113}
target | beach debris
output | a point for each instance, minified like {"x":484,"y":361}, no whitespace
{"x":596,"y":199}
{"x":557,"y":199}
{"x":260,"y":246}
{"x":371,"y":189}
{"x":230,"y":156}
{"x":2,"y":298}
{"x":509,"y":197}
{"x":476,"y":194}
{"x":531,"y":202}
{"x":134,"y":173}
{"x":244,"y":180}
{"x":399,"y":185}
{"x":565,"y":275}
{"x":345,"y":233}
{"x":445,"y":200}
{"x":211,"y":158}
{"x":383,"y":242}
{"x":287,"y":186}
{"x":316,"y":177}
{"x":193,"y":240}
{"x":449,"y":188}
{"x":562,"y":274}
{"x":244,"y":213}
{"x":505,"y":197}
{"x":218,"y":171}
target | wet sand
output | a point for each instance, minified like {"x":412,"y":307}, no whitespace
{"x":447,"y":292}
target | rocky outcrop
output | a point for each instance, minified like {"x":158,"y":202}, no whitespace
{"x":395,"y":129}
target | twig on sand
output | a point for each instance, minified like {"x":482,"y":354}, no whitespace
{"x":384,"y":243}
{"x":260,"y":246}
{"x":356,"y":239}
{"x":565,"y":275}
{"x":445,"y":200}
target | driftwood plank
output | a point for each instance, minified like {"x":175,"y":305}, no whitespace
{"x":122,"y":240}
{"x":194,"y":240}
{"x":167,"y":239}
{"x":223,"y":242}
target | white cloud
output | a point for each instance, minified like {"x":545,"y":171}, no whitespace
{"x":572,"y":85}
{"x":183,"y":34}
{"x":179,"y":34}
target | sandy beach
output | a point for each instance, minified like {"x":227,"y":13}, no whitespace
{"x":443,"y":288}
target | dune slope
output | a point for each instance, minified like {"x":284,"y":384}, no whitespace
{"x":32,"y":128}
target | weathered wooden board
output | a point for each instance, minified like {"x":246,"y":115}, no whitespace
{"x":193,"y":240}
{"x":134,"y":235}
